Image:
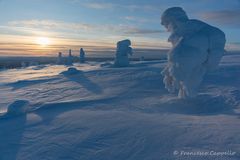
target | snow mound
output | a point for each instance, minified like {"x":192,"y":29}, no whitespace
{"x":106,"y":64}
{"x":18,"y":107}
{"x":71,"y":71}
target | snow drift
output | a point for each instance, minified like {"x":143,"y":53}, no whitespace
{"x":117,"y":113}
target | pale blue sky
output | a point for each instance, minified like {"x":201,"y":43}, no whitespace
{"x":99,"y":24}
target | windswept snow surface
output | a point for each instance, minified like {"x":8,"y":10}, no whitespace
{"x":97,"y":112}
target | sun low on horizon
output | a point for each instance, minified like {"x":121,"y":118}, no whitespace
{"x":43,"y":41}
{"x":43,"y":27}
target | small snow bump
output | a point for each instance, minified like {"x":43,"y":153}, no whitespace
{"x":71,"y":71}
{"x":18,"y":107}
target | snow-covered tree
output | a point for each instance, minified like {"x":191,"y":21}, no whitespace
{"x":70,"y":58}
{"x":123,"y":50}
{"x":197,"y":47}
{"x":60,"y":58}
{"x":82,"y":56}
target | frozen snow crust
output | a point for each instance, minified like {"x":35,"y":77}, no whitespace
{"x":97,"y":111}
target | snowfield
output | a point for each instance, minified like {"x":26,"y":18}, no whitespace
{"x":93,"y":111}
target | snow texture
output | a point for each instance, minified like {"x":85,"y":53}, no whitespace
{"x":197,"y":48}
{"x":123,"y":50}
{"x":108,"y":113}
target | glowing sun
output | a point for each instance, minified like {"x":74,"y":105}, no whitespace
{"x":43,"y":41}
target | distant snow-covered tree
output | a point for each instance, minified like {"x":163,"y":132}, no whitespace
{"x":70,"y":58}
{"x":123,"y":50}
{"x":82,"y":56}
{"x":60,"y":58}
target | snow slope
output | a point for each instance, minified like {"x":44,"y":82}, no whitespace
{"x":105,"y":113}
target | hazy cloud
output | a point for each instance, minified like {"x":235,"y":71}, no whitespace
{"x":139,"y":19}
{"x":70,"y":27}
{"x":99,"y":5}
{"x":129,"y":30}
{"x":235,"y":46}
{"x":139,"y":31}
{"x":225,"y":17}
{"x":51,"y":24}
{"x":142,"y":7}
